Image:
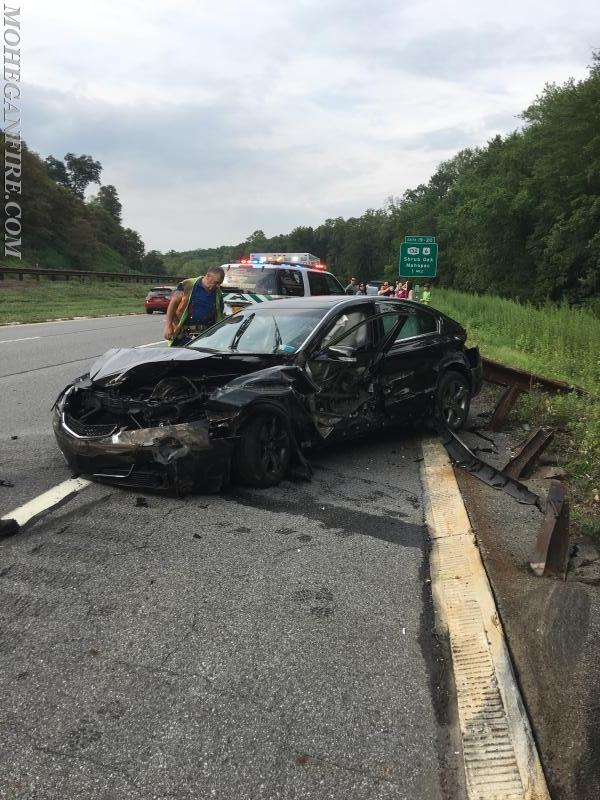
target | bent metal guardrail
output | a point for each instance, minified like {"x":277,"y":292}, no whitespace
{"x":52,"y":274}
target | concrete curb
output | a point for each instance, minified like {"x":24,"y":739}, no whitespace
{"x":499,"y":752}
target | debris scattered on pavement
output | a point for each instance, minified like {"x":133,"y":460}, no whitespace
{"x":141,"y":502}
{"x":5,"y":482}
{"x":14,"y":437}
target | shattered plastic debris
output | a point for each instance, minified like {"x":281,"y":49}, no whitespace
{"x":5,"y":482}
{"x":141,"y":502}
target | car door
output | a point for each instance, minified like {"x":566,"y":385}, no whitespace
{"x":408,"y":371}
{"x":339,"y":365}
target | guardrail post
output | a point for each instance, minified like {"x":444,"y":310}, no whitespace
{"x":551,"y":552}
{"x":20,"y":276}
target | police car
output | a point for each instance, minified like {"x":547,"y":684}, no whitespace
{"x":271,"y":276}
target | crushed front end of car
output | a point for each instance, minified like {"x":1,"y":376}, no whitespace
{"x":158,"y":447}
{"x":169,"y":420}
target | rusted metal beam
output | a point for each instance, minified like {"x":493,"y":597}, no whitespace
{"x":66,"y":273}
{"x":461,"y":456}
{"x":551,"y":552}
{"x":528,"y":452}
{"x":494,"y":372}
{"x":503,"y":406}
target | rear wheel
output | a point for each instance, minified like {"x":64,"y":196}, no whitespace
{"x":262,"y":457}
{"x":149,"y":310}
{"x":453,"y":400}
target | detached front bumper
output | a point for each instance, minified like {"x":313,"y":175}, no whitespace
{"x":180,"y":458}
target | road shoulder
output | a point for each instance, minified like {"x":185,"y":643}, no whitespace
{"x":499,"y":751}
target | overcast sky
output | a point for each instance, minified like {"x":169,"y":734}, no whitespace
{"x":214,"y":119}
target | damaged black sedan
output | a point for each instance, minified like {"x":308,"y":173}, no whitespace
{"x":247,"y":398}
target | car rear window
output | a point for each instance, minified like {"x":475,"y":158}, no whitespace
{"x":249,"y":279}
{"x":290,"y":283}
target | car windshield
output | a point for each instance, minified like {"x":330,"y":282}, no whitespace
{"x":260,"y":331}
{"x":250,"y":279}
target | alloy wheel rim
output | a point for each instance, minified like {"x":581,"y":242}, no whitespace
{"x":454,"y":403}
{"x":273,"y":446}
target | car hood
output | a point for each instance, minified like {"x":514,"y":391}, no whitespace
{"x":121,"y":360}
{"x":121,"y":364}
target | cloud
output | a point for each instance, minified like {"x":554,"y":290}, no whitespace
{"x":213,"y":120}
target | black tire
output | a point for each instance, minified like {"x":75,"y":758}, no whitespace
{"x":149,"y":310}
{"x":453,"y":399}
{"x":262,"y":457}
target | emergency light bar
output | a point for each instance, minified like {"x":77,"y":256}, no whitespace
{"x":291,"y":259}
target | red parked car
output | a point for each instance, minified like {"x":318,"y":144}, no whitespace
{"x":158,"y":299}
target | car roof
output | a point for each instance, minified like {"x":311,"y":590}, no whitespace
{"x":314,"y":301}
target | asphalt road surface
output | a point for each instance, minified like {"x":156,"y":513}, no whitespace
{"x":253,"y":644}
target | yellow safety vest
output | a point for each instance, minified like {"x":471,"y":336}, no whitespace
{"x":184,"y":306}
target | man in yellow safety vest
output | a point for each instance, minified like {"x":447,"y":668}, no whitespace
{"x":196,"y":304}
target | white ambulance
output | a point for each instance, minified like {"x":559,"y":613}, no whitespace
{"x":271,"y":276}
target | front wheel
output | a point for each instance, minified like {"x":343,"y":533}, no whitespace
{"x":149,"y":310}
{"x":453,"y":400}
{"x":262,"y":457}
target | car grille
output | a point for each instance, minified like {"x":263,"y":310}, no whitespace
{"x":88,"y":431}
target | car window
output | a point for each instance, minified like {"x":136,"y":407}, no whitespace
{"x":335,"y":287}
{"x":357,"y":337}
{"x":417,"y":322}
{"x":260,"y":331}
{"x":318,"y":283}
{"x":389,"y":315}
{"x":427,"y":322}
{"x":290,"y":283}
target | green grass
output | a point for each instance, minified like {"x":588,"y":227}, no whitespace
{"x":33,"y":301}
{"x":557,"y":342}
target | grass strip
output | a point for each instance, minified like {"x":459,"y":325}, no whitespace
{"x":557,"y":342}
{"x":33,"y":301}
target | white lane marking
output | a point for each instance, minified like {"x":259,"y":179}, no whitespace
{"x":24,"y":339}
{"x":150,"y":344}
{"x":40,"y":505}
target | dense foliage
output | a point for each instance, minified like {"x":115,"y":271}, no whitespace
{"x":519,"y":217}
{"x":61,"y":230}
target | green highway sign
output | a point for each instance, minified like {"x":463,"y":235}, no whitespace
{"x":420,"y":239}
{"x":418,"y":260}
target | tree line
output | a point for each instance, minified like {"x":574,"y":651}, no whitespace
{"x":62,"y":230}
{"x":519,"y":217}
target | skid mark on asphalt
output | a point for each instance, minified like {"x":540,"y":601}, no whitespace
{"x":344,"y":521}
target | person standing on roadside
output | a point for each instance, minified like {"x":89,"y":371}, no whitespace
{"x":401,"y":292}
{"x":426,"y":294}
{"x":386,"y":290}
{"x":196,"y":304}
{"x":362,"y":289}
{"x":352,"y":287}
{"x":408,"y":287}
